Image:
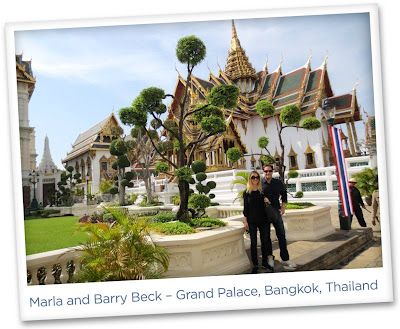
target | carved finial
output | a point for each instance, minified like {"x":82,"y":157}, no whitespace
{"x":218,"y":65}
{"x":355,"y":86}
{"x":177,"y":70}
{"x":265,"y":65}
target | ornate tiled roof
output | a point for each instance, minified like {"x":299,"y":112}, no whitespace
{"x":238,"y":65}
{"x":91,"y":138}
{"x":25,"y":74}
{"x":302,"y":87}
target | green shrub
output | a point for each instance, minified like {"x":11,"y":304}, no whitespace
{"x":184,"y":173}
{"x":304,"y":204}
{"x":176,"y":199}
{"x":172,"y":228}
{"x":207,"y":222}
{"x":201,"y":176}
{"x":163,"y":217}
{"x":198,"y":166}
{"x":108,"y":217}
{"x":199,"y":201}
{"x":134,"y":197}
{"x":113,"y":190}
{"x":293,"y":206}
{"x":129,"y":175}
{"x":299,"y":194}
{"x":47,"y":212}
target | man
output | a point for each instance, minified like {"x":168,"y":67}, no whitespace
{"x":375,"y":207}
{"x":274,"y":189}
{"x":357,"y":202}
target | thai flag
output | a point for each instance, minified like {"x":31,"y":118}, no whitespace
{"x":341,"y":170}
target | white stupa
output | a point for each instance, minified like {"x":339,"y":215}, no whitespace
{"x":47,"y":164}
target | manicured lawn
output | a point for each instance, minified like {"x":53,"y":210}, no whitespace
{"x":45,"y":234}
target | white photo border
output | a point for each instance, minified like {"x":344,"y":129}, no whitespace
{"x":383,"y":276}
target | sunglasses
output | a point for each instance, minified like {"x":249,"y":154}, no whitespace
{"x":255,"y":177}
{"x":268,"y":170}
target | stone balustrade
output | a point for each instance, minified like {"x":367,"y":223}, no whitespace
{"x":219,"y":251}
{"x":52,"y":267}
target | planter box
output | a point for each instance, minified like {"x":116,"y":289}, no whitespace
{"x":214,"y":252}
{"x":310,"y":224}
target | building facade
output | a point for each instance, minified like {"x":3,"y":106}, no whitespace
{"x":90,"y":155}
{"x":25,"y":87}
{"x":304,"y":87}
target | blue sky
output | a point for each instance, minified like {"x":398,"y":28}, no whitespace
{"x":84,"y":73}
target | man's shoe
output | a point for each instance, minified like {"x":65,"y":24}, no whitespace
{"x":266,"y":266}
{"x":254,"y":270}
{"x":289,"y":263}
{"x":271,"y":260}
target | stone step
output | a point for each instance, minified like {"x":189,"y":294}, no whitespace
{"x":331,"y":252}
{"x":369,"y":258}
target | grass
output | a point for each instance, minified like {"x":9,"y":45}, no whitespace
{"x":45,"y":234}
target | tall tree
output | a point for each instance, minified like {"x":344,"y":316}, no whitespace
{"x":189,"y":51}
{"x":289,"y":117}
{"x":143,"y":152}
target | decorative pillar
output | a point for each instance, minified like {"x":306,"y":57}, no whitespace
{"x":353,"y":152}
{"x":355,"y":135}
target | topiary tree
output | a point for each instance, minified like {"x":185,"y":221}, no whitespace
{"x":120,"y":148}
{"x":198,"y":204}
{"x":289,"y":117}
{"x":208,"y":115}
{"x":65,"y":195}
{"x":234,"y":154}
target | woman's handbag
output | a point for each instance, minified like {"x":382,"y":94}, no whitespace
{"x":270,"y":213}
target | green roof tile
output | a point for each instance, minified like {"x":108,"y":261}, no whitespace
{"x":313,"y":79}
{"x":291,"y":81}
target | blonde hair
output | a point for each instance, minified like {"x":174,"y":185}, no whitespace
{"x":249,"y":187}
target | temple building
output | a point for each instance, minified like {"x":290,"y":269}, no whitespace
{"x":304,"y":87}
{"x":25,"y":87}
{"x":90,"y":155}
{"x":48,"y":175}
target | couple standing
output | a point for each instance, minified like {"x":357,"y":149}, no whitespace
{"x":257,"y":192}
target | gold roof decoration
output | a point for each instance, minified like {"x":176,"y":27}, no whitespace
{"x":238,"y":65}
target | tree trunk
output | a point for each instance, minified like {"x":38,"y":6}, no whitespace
{"x":183,"y":212}
{"x":282,"y":166}
{"x":121,"y":189}
{"x":147,"y":184}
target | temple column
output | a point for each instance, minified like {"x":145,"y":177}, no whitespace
{"x":355,"y":135}
{"x":352,"y":149}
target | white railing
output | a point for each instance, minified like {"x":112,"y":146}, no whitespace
{"x":307,"y":182}
{"x":52,"y":267}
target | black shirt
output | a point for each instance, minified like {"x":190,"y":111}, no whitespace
{"x":273,"y":191}
{"x":356,"y":198}
{"x":253,"y":208}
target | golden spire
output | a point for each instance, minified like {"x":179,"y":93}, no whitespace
{"x":237,"y":64}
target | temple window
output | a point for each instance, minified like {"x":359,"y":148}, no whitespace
{"x":293,"y":159}
{"x":310,"y":157}
{"x":104,"y":166}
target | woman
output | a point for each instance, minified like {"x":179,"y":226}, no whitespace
{"x":254,"y":218}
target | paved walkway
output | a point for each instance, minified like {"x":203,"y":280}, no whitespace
{"x":357,"y":248}
{"x":371,"y":257}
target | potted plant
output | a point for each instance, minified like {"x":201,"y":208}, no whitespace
{"x":367,"y":183}
{"x":104,"y":189}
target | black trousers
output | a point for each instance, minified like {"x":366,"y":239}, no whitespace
{"x":263,"y":228}
{"x":360,"y":216}
{"x":280,"y":234}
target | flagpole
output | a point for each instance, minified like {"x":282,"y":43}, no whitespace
{"x":345,"y":206}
